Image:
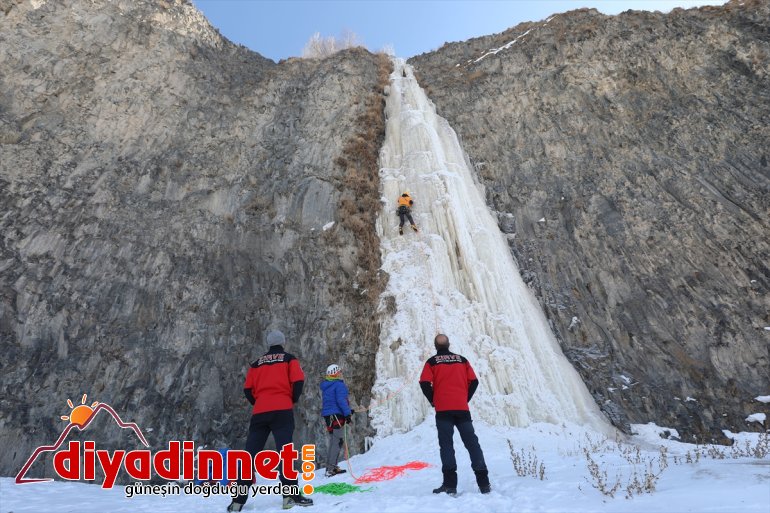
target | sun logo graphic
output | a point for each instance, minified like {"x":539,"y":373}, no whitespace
{"x":80,"y":414}
{"x":80,"y":417}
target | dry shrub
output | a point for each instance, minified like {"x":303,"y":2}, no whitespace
{"x":759,"y":450}
{"x":472,"y":77}
{"x":359,"y":207}
{"x":361,"y":196}
{"x":319,"y":47}
{"x":527,"y":463}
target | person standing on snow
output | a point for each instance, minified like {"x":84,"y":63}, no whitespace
{"x":273,"y":385}
{"x":448,"y":382}
{"x":336,"y":413}
{"x":404,"y":210}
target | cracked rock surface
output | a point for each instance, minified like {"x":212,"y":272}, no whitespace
{"x":627,"y":157}
{"x":163,"y":194}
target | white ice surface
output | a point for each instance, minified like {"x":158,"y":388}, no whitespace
{"x":457,"y":276}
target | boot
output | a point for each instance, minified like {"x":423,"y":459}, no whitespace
{"x":482,"y":479}
{"x":234,"y":506}
{"x":449,"y":485}
{"x":296,"y":500}
{"x":400,"y":230}
{"x":414,"y":227}
{"x":446,"y":489}
{"x":333,"y":471}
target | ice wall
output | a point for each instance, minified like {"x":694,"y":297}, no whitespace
{"x":457,"y":276}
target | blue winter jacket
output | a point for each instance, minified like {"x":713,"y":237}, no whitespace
{"x":335,"y":398}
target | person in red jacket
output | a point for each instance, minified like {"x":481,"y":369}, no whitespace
{"x":273,"y":385}
{"x":448,"y":382}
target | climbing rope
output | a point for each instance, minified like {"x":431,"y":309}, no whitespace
{"x":387,"y":473}
{"x":430,"y":282}
{"x":340,"y":488}
{"x":384,"y":473}
{"x":394,"y":393}
{"x":347,"y":452}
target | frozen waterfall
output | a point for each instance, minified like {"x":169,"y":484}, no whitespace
{"x":457,"y":276}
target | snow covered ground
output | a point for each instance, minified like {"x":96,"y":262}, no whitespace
{"x":706,"y":485}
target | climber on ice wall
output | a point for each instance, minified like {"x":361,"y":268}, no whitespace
{"x":404,"y":210}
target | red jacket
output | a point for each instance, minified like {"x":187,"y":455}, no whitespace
{"x":448,"y":381}
{"x":274,"y":381}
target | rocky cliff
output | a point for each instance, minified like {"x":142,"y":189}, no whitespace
{"x":165,"y":198}
{"x":627,"y":158}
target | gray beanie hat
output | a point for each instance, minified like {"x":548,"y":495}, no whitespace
{"x":275,"y":338}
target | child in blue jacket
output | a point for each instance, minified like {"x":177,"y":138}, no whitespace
{"x":336,"y":412}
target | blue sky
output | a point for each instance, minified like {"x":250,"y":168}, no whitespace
{"x":280,"y":29}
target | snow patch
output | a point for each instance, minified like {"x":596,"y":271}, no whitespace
{"x":507,"y":45}
{"x":756,"y":417}
{"x":327,"y":226}
{"x":763,"y":398}
{"x":651,"y":432}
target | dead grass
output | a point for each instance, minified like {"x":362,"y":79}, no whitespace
{"x":475,"y":75}
{"x":360,"y":202}
{"x":359,"y":206}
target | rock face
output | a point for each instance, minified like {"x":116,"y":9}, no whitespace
{"x":167,"y":197}
{"x":627,"y":157}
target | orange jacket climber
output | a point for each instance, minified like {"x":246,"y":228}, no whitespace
{"x":405,"y":203}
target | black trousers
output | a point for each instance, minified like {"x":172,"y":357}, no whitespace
{"x":446,"y":422}
{"x":278,"y":422}
{"x":408,"y":215}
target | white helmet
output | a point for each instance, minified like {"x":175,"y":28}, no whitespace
{"x":333,"y":370}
